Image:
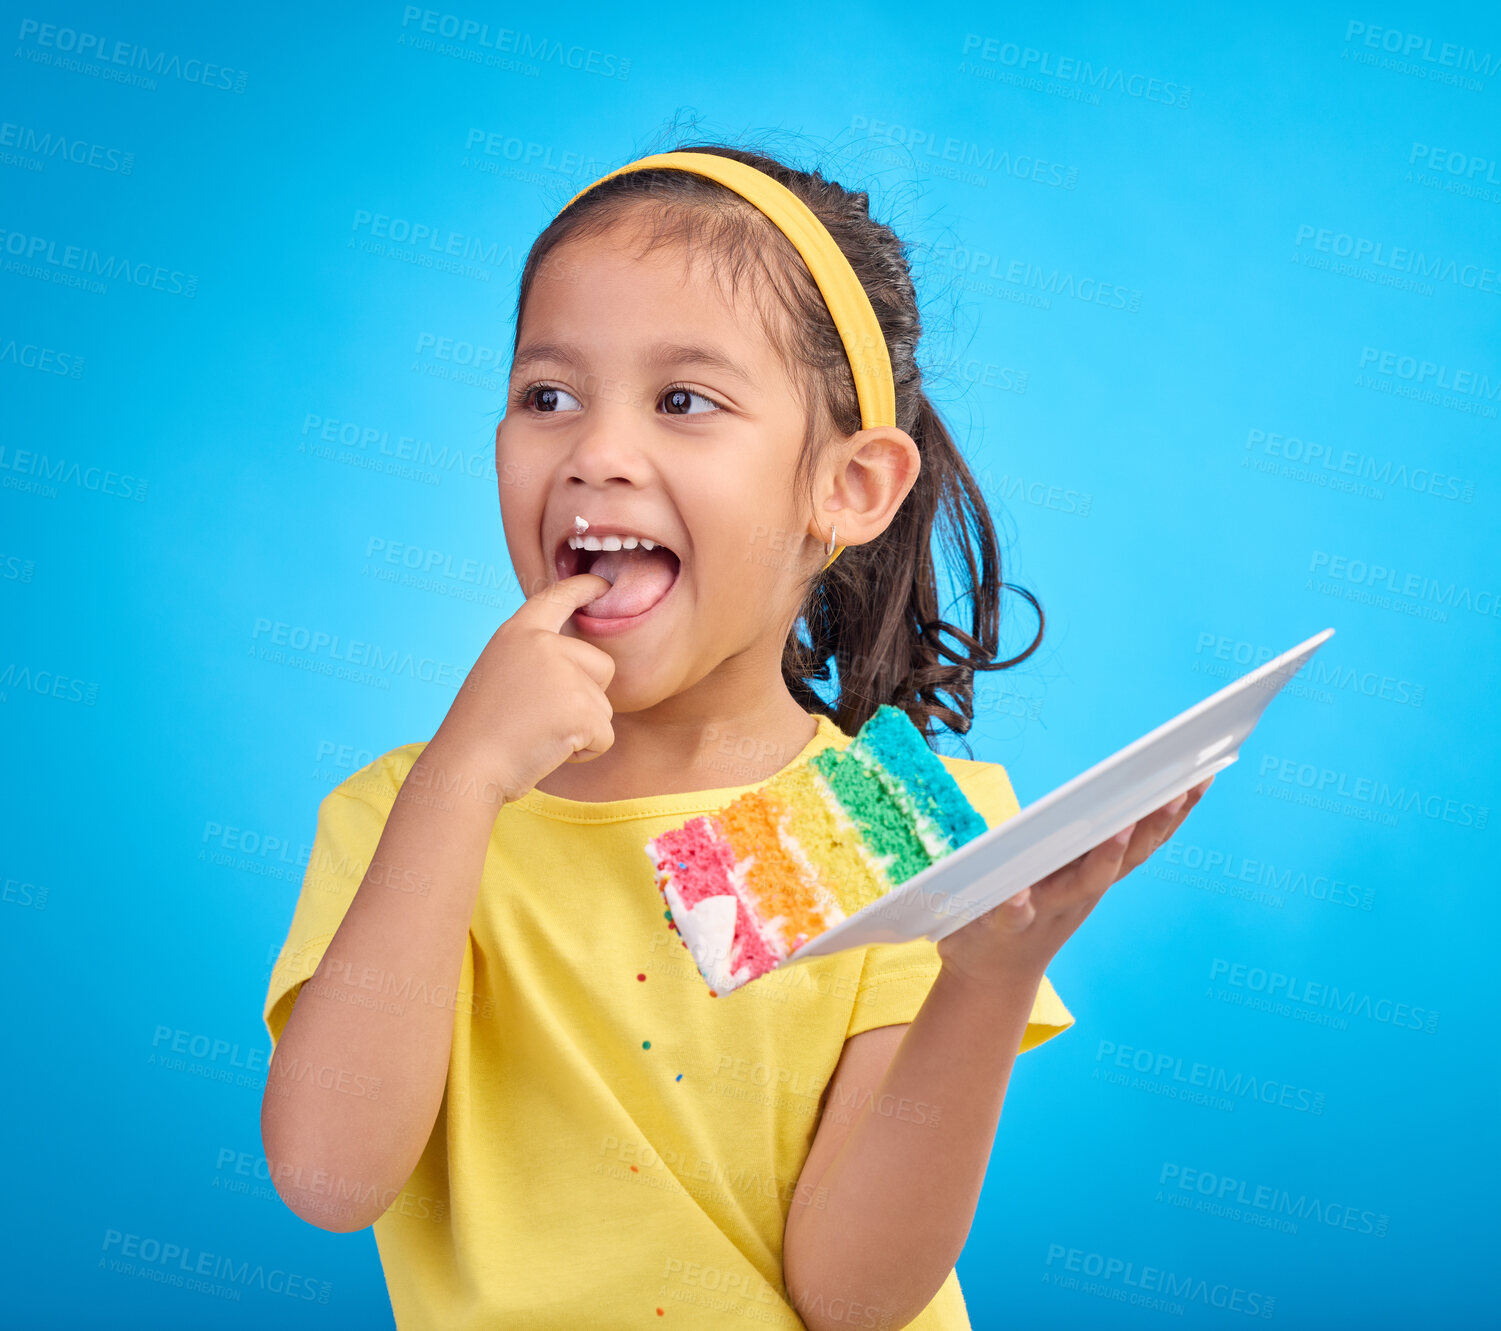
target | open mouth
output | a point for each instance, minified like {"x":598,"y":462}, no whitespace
{"x":640,"y":569}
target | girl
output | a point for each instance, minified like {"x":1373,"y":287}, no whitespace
{"x":487,"y":1042}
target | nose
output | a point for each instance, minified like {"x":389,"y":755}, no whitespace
{"x":607,"y":445}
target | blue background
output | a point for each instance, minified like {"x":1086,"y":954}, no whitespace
{"x":165,"y":768}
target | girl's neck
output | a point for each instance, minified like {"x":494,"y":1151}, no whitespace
{"x":689,"y":743}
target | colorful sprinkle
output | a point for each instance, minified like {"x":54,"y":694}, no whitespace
{"x":641,"y":977}
{"x":634,"y":1170}
{"x":659,"y":1312}
{"x":679,"y":1077}
{"x":646,"y":1044}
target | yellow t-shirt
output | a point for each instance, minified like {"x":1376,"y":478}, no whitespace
{"x":613,"y":1141}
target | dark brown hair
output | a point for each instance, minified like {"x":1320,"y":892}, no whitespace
{"x":873,"y":615}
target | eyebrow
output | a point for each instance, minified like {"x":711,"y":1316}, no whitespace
{"x":661,"y":354}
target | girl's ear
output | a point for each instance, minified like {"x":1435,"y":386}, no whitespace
{"x":872,"y":472}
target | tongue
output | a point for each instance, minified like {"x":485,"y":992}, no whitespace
{"x":639,"y":579}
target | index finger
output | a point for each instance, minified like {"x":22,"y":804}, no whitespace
{"x":554,"y":604}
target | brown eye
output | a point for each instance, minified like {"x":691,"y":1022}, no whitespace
{"x":680,"y":402}
{"x":549,"y":398}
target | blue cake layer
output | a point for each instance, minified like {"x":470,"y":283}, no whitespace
{"x":900,"y":748}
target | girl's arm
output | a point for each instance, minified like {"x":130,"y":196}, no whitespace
{"x":888,"y":1192}
{"x":353,"y":1089}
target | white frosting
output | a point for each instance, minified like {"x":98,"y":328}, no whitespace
{"x":708,"y":927}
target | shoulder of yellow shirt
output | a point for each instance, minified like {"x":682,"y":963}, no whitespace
{"x":987,"y":786}
{"x":378,"y":782}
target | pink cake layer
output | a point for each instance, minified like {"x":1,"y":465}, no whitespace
{"x":699,"y":859}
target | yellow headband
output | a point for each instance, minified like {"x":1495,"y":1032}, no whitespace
{"x":859,"y":330}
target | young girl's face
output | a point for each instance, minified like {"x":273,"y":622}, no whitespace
{"x":651,"y":403}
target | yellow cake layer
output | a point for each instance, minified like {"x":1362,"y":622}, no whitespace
{"x":829,"y":840}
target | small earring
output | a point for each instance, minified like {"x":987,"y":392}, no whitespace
{"x":829,"y":546}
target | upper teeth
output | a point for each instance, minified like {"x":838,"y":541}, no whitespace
{"x":610,"y":543}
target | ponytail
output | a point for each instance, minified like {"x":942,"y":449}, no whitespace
{"x":874,"y":614}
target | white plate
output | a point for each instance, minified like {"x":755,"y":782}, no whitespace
{"x":1066,"y":822}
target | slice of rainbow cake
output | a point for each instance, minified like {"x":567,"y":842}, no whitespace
{"x":746,"y":886}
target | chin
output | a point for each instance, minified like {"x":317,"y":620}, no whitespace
{"x":637,"y":694}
